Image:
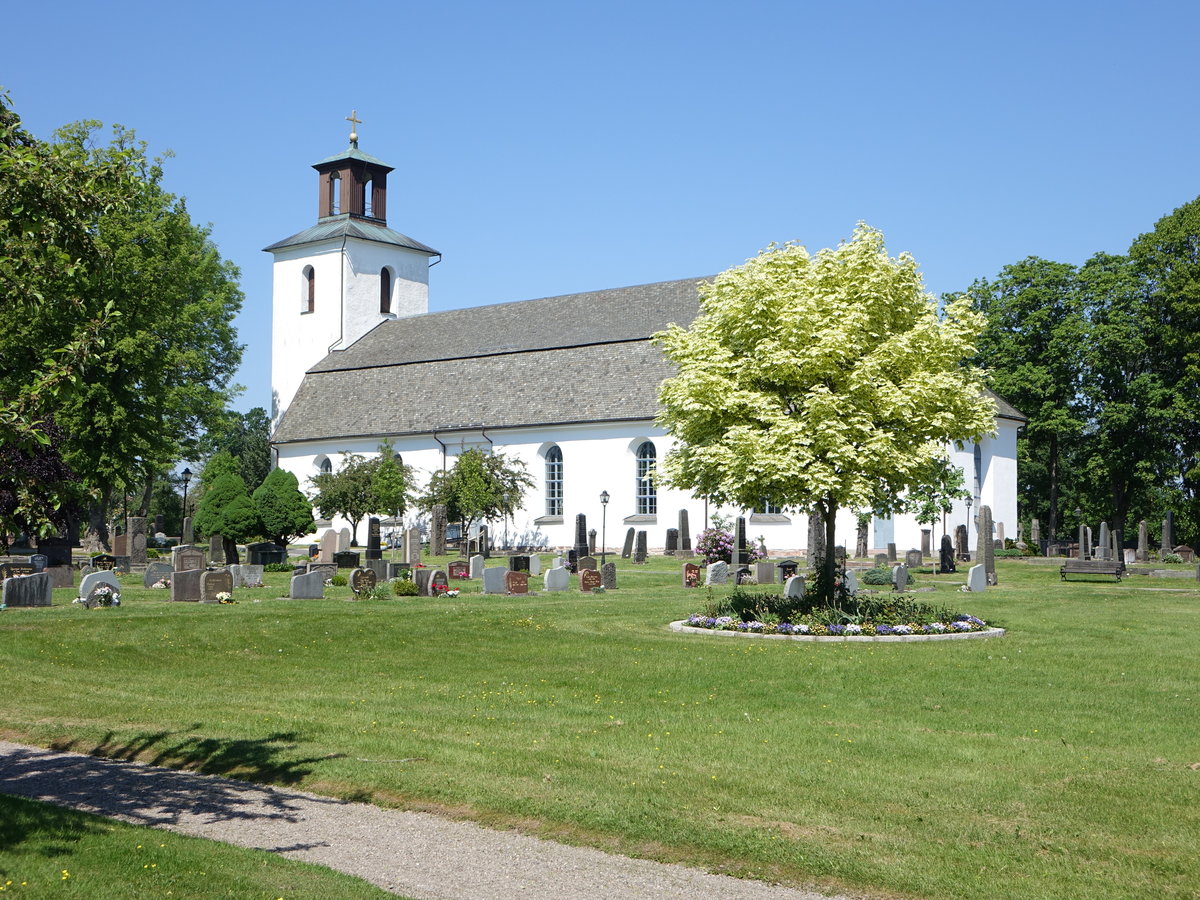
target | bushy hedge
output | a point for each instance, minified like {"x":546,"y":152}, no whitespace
{"x":887,"y":609}
{"x":402,"y":587}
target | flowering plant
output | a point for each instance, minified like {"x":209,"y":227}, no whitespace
{"x":453,"y":593}
{"x":225,"y":597}
{"x":101,"y":595}
{"x":960,"y":624}
{"x":716,"y":545}
{"x":163,"y":582}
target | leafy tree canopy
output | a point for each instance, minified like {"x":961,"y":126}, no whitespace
{"x":347,"y":492}
{"x":247,"y":438}
{"x":228,"y":510}
{"x":285,"y":513}
{"x":480,"y":487}
{"x":820,"y":381}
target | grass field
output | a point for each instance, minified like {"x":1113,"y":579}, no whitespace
{"x":1056,"y":761}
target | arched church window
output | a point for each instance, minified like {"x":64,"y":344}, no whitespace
{"x":324,"y":466}
{"x":385,"y":290}
{"x":366,"y":198}
{"x":308,"y":290}
{"x":335,"y":194}
{"x":646,"y":493}
{"x":554,"y":482}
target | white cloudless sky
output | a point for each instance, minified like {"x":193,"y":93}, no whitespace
{"x":549,"y":148}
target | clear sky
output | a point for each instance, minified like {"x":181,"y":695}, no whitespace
{"x":549,"y":148}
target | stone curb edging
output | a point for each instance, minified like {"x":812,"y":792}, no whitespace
{"x":896,"y":638}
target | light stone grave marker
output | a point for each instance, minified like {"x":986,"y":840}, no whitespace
{"x":556,"y":579}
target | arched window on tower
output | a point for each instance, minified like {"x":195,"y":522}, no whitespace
{"x":385,"y":290}
{"x":554,"y":482}
{"x":647,"y":494}
{"x":367,"y":198}
{"x":335,"y":193}
{"x":308,"y":290}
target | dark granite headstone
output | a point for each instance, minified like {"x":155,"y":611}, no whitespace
{"x":439,"y":583}
{"x":987,"y":550}
{"x":213,"y":582}
{"x":946,"y":556}
{"x":685,"y":535}
{"x":155,"y":572}
{"x":588,"y":562}
{"x":572,"y":561}
{"x":216,"y":550}
{"x":28,"y":590}
{"x":437,"y":530}
{"x":639,"y":554}
{"x":374,"y":546}
{"x":581,"y":544}
{"x":891,"y":552}
{"x":591,"y":541}
{"x":39,"y":561}
{"x":787,"y":568}
{"x":627,"y":550}
{"x":741,"y":555}
{"x":265,"y":553}
{"x":362,"y":580}
{"x":860,"y":544}
{"x":58,"y":550}
{"x":518,"y":564}
{"x":589,"y":579}
{"x":399,"y":570}
{"x":104,"y":561}
{"x":346,"y":559}
{"x":185,"y":586}
{"x":185,"y":558}
{"x":672,"y":543}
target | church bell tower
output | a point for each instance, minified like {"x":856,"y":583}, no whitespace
{"x":343,"y":276}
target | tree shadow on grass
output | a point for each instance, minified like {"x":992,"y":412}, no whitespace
{"x":106,"y":781}
{"x":49,"y":830}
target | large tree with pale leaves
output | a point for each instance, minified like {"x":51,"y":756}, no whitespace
{"x":820,"y":381}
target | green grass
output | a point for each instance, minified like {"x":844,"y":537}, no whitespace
{"x":46,"y":851}
{"x":1053,"y":762}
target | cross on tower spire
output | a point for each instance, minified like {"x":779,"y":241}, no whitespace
{"x":354,"y":120}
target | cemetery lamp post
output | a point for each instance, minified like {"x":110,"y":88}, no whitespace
{"x":969,"y":501}
{"x":603,"y":525}
{"x":187,"y":476}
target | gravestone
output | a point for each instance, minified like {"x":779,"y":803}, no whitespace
{"x":926,"y":543}
{"x":881,"y":560}
{"x":29,"y":590}
{"x":344,"y":540}
{"x":346,"y":559}
{"x":1035,"y":535}
{"x":493,"y":580}
{"x":1130,"y":557}
{"x":62,"y":576}
{"x":987,"y":550}
{"x":518,"y":564}
{"x":422,"y":578}
{"x":187,"y":537}
{"x":717,"y":573}
{"x":1087,"y":531}
{"x":976,"y":579}
{"x":1105,"y":545}
{"x":793,"y":588}
{"x":1082,"y":551}
{"x":764,"y":572}
{"x":639,"y":555}
{"x":851,"y":582}
{"x":740,"y":554}
{"x":213,"y":582}
{"x":685,"y":535}
{"x":672,"y":543}
{"x":39,"y":561}
{"x":216,"y":550}
{"x":107,"y":561}
{"x":185,"y":585}
{"x":627,"y":550}
{"x":16,"y":565}
{"x":120,"y":545}
{"x":900,"y":577}
{"x":84,"y":570}
{"x":155,"y":572}
{"x":913,"y":559}
{"x":102,"y":576}
{"x":608,"y":576}
{"x":1000,"y":534}
{"x":557,"y":579}
{"x":363,"y":580}
{"x":184,"y":559}
{"x":485,"y":542}
{"x":588,"y":562}
{"x":329,"y":546}
{"x":891,"y":553}
{"x":691,"y":575}
{"x":1143,"y":547}
{"x":860,"y":543}
{"x":437,"y":530}
{"x":264,"y":553}
{"x":121,"y":564}
{"x":581,"y":544}
{"x":58,"y":550}
{"x":572,"y":561}
{"x":476,"y":570}
{"x":137,"y":540}
{"x":379,"y":567}
{"x":374,"y":544}
{"x":589,"y":579}
{"x":946,"y":557}
{"x":787,"y":568}
{"x":399,"y":570}
{"x":310,"y":586}
{"x":591,"y":542}
{"x":439,"y":583}
{"x":558,"y":561}
{"x":535,"y":565}
{"x":412,"y":546}
{"x":961,"y":547}
{"x":459,"y":568}
{"x":1186,"y":553}
{"x":516,"y":582}
{"x":1168,"y":531}
{"x":247,"y":576}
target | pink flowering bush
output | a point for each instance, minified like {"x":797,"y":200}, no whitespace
{"x":716,"y":545}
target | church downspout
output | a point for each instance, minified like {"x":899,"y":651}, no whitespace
{"x":341,"y":297}
{"x":439,"y":440}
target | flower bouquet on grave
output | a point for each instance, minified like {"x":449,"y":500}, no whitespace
{"x":162,"y":583}
{"x":225,"y":597}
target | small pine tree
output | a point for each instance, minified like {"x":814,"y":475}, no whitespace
{"x":285,"y":513}
{"x":228,"y":510}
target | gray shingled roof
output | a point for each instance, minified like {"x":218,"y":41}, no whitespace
{"x":557,"y":360}
{"x":345,"y":226}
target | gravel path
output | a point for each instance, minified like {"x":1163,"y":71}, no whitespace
{"x":412,"y":854}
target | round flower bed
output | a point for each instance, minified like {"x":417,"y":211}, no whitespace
{"x":961,"y":626}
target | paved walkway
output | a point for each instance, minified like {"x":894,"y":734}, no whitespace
{"x":412,"y":854}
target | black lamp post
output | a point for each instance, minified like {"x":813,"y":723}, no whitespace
{"x":603,"y":525}
{"x":187,"y":476}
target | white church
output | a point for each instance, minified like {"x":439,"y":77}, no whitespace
{"x":568,"y":385}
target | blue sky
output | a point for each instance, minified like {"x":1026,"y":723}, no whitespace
{"x":548,"y":148}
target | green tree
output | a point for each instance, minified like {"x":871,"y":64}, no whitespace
{"x":284,"y":512}
{"x":146,"y":391}
{"x":228,"y":510}
{"x":348,"y":492}
{"x":934,"y":495}
{"x":390,"y":482}
{"x":480,"y":487}
{"x":821,"y":381}
{"x":247,"y":438}
{"x":1032,"y":348}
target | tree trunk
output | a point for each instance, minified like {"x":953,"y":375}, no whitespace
{"x":96,"y":538}
{"x":828,"y":564}
{"x":1053,"y":517}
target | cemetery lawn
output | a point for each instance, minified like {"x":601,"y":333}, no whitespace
{"x":47,"y":851}
{"x":1058,"y":761}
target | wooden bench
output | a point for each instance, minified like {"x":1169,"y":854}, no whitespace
{"x":1113,"y":567}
